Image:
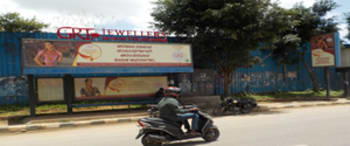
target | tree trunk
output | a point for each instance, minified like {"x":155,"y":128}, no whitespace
{"x":227,"y":83}
{"x":316,"y":86}
{"x":284,"y":73}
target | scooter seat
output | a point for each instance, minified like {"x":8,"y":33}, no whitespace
{"x":160,"y":121}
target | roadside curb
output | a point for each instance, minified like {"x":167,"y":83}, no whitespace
{"x":72,"y":124}
{"x":266,"y":108}
{"x":62,"y":125}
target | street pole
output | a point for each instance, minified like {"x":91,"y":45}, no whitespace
{"x":31,"y":93}
{"x":68,"y":87}
{"x":327,"y":81}
{"x":346,"y":84}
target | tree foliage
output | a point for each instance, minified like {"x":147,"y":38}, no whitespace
{"x":222,"y":32}
{"x":306,"y":22}
{"x":13,"y":22}
{"x":313,"y":21}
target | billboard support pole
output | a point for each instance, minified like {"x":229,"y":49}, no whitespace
{"x":32,"y":101}
{"x":68,"y":92}
{"x":346,"y":84}
{"x":326,"y":71}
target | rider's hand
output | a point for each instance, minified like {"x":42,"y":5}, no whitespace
{"x":194,"y":109}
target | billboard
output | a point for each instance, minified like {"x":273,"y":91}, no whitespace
{"x":115,"y":87}
{"x":323,"y":49}
{"x":44,"y":53}
{"x":345,"y":59}
{"x":50,"y":89}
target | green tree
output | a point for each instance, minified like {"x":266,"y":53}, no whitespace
{"x":222,"y":32}
{"x":284,"y":47}
{"x":13,"y":22}
{"x":308,"y":22}
{"x":285,"y":52}
{"x":313,"y":22}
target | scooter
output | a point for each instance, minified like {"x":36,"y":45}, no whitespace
{"x":156,"y":131}
{"x":153,"y":110}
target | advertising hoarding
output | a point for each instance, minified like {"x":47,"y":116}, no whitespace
{"x":50,"y":90}
{"x":44,"y":53}
{"x":324,"y":50}
{"x":345,"y":59}
{"x":115,"y":87}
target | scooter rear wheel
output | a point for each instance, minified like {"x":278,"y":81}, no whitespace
{"x":212,"y":134}
{"x":146,"y":141}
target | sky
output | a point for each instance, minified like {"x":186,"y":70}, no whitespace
{"x":117,"y":14}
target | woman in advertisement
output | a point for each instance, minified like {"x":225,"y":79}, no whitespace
{"x":51,"y":56}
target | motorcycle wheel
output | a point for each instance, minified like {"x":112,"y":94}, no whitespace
{"x":247,"y":108}
{"x":212,"y":134}
{"x":147,"y":142}
{"x":218,"y":110}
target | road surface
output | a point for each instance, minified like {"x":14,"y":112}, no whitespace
{"x":317,"y":126}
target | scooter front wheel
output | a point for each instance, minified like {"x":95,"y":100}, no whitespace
{"x":146,"y":141}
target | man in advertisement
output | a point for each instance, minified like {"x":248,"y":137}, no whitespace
{"x":89,"y":90}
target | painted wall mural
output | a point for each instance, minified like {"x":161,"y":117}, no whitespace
{"x":13,"y":90}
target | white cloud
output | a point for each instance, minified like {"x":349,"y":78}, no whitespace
{"x":126,"y":14}
{"x":119,"y":14}
{"x":291,"y":3}
{"x":344,"y":32}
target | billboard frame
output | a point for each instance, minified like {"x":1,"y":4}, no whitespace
{"x":106,"y":69}
{"x":336,"y":53}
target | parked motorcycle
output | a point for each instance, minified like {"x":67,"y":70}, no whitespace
{"x":156,"y":131}
{"x":235,"y":105}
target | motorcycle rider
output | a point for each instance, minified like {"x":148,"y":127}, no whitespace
{"x":159,"y":95}
{"x":171,"y":110}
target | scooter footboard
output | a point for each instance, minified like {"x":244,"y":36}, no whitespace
{"x":157,"y":138}
{"x":141,"y":133}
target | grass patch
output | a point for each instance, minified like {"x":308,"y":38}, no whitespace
{"x":13,"y":110}
{"x":293,"y":95}
{"x":7,"y":111}
{"x":51,"y":108}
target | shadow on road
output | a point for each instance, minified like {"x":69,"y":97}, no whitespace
{"x":255,"y":113}
{"x":188,"y":143}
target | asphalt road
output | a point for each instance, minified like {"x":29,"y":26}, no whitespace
{"x":317,"y":126}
